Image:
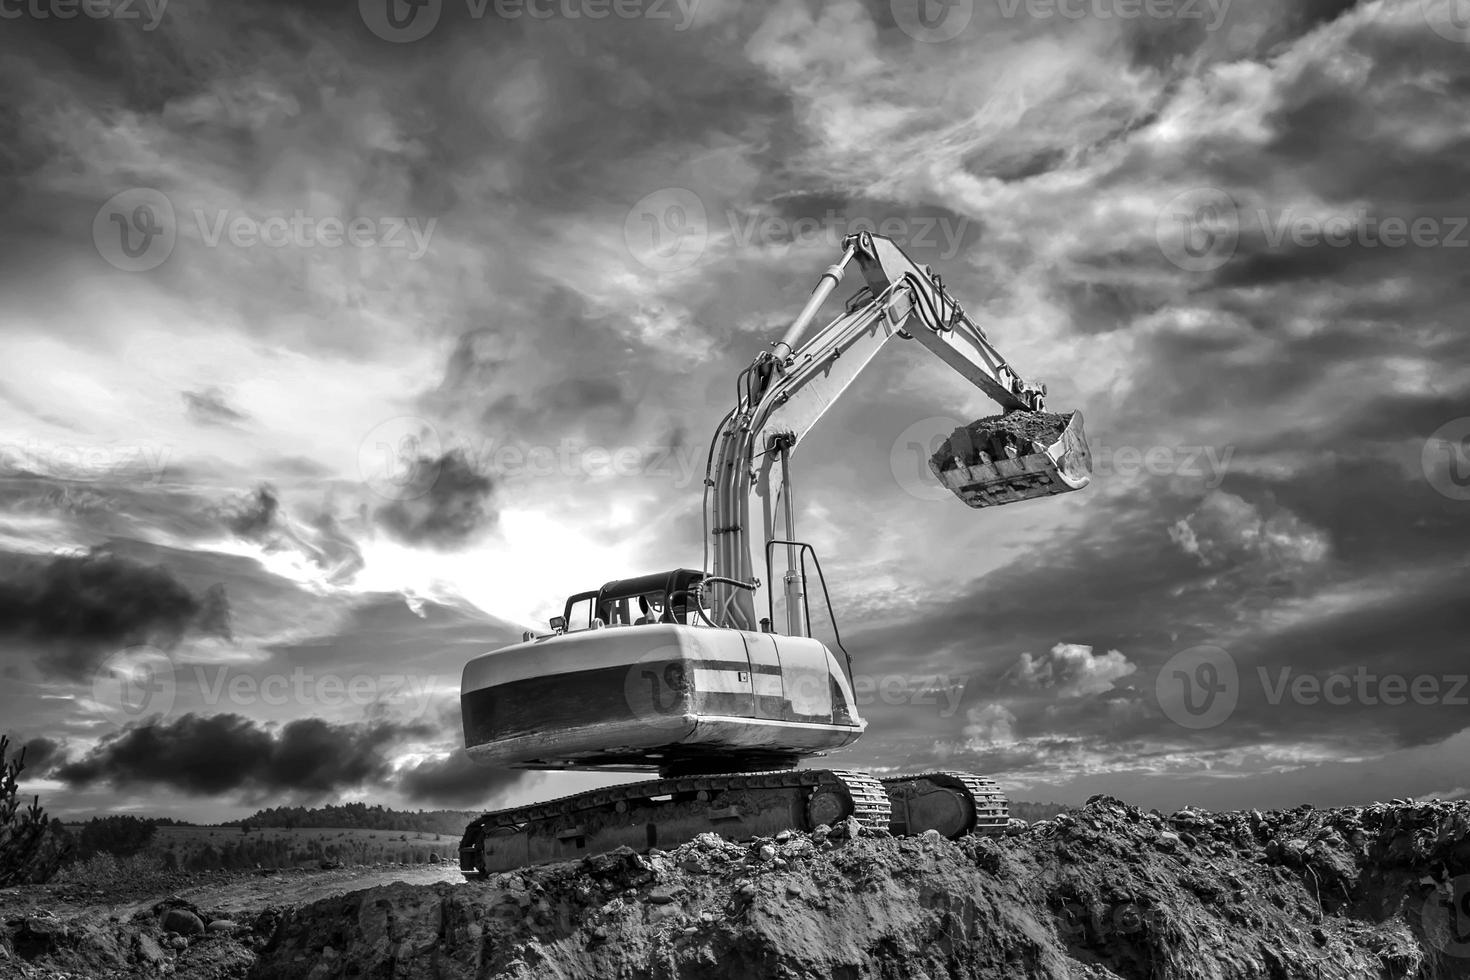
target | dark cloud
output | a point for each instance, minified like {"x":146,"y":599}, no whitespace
{"x":454,"y":506}
{"x":229,"y":753}
{"x":41,"y":755}
{"x":208,"y":407}
{"x":255,"y":515}
{"x":258,"y":517}
{"x":1323,"y":369}
{"x":457,"y":780}
{"x":76,"y":610}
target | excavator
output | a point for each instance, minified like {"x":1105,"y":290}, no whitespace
{"x":701,"y":676}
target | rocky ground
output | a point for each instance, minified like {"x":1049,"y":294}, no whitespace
{"x":1107,"y":891}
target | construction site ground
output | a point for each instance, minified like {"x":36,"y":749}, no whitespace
{"x":1103,"y":892}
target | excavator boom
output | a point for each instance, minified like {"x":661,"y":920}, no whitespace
{"x":786,"y":391}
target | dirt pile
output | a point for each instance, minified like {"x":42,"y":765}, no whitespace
{"x":1106,"y":891}
{"x":1001,"y":437}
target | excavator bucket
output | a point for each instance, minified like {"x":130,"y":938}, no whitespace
{"x":1014,"y":457}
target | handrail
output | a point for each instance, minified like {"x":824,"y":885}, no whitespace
{"x":804,"y":549}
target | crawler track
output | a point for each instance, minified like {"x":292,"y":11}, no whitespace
{"x":668,"y":812}
{"x":953,"y":803}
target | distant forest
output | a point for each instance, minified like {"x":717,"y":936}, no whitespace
{"x":359,"y":816}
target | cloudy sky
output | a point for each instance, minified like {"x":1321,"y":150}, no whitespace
{"x":339,"y":343}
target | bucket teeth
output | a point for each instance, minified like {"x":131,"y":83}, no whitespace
{"x":1015,"y":457}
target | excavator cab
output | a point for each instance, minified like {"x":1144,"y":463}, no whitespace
{"x":663,"y":597}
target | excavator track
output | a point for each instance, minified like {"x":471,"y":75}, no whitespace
{"x":955,"y":804}
{"x":668,"y":812}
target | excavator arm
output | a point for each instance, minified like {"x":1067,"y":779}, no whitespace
{"x":786,"y":391}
